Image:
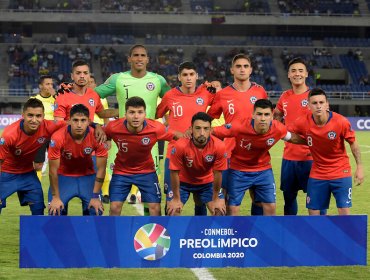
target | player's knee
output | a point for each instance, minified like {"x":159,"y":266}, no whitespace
{"x":269,"y":209}
{"x":115,"y":209}
{"x":37,"y":208}
{"x":154,"y":209}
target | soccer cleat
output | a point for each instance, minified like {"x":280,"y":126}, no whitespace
{"x":132,"y":199}
{"x":105,"y":199}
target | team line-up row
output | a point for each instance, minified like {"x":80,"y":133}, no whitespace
{"x":215,"y":171}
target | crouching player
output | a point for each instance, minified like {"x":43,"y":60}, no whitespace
{"x":196,"y":167}
{"x":71,"y":168}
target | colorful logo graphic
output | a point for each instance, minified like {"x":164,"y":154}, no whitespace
{"x":152,"y":242}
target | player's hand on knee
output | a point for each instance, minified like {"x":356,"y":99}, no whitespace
{"x":55,"y":206}
{"x":97,"y":205}
{"x":217,"y":207}
{"x":174,"y":207}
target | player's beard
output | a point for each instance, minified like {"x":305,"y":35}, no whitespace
{"x":200,"y":141}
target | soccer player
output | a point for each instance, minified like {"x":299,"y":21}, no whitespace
{"x":19,"y":144}
{"x":297,"y":159}
{"x":196,"y":166}
{"x":71,"y":169}
{"x":182,"y":103}
{"x":236,"y":103}
{"x":250,"y":165}
{"x":47,"y":96}
{"x":136,"y":82}
{"x":135,"y":135}
{"x":325,"y":132}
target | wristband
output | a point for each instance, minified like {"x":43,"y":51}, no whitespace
{"x":96,"y":195}
{"x":99,"y":180}
{"x":93,"y":125}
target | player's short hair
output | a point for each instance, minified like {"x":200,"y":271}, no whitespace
{"x":135,"y":101}
{"x":43,"y":77}
{"x":33,"y":103}
{"x":79,"y":109}
{"x":317,"y":91}
{"x":264,"y":104}
{"x":239,"y":56}
{"x":187,"y":65}
{"x":135,"y":47}
{"x":201,"y":116}
{"x":79,"y":62}
{"x":297,"y":60}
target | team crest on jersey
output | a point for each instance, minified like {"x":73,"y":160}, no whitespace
{"x":2,"y":141}
{"x":92,"y":102}
{"x":209,"y":158}
{"x":18,"y":152}
{"x":332,"y":135}
{"x":200,"y":101}
{"x":52,"y":143}
{"x":88,"y":151}
{"x":145,"y":141}
{"x":150,"y":86}
{"x":253,"y":99}
{"x":270,"y":141}
{"x":304,"y":103}
{"x":41,"y":140}
{"x":228,"y":125}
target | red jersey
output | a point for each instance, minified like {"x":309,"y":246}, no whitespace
{"x":326,"y":143}
{"x":182,"y":107}
{"x":64,"y":103}
{"x":251,"y":152}
{"x":18,"y":149}
{"x":236,"y":106}
{"x":75,"y":158}
{"x":134,"y":149}
{"x":293,"y":106}
{"x":196,"y":165}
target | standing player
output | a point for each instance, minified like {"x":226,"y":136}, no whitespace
{"x":19,"y":144}
{"x":250,"y":165}
{"x":236,"y":102}
{"x":297,"y":159}
{"x":325,"y":132}
{"x":182,"y":103}
{"x":136,"y":82}
{"x":135,"y":136}
{"x":196,"y":167}
{"x":71,"y":170}
{"x":47,"y":96}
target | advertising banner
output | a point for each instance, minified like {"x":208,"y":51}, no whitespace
{"x":360,"y":123}
{"x":6,"y":120}
{"x":67,"y":242}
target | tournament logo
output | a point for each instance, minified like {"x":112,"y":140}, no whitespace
{"x":332,"y":135}
{"x":270,"y":141}
{"x":52,"y":143}
{"x":209,"y":158}
{"x":2,"y":141}
{"x":18,"y":152}
{"x":88,"y":150}
{"x":92,"y":102}
{"x":304,"y":103}
{"x":145,"y":141}
{"x":41,"y":140}
{"x":253,"y":99}
{"x":200,"y":101}
{"x":173,"y":151}
{"x":152,"y":242}
{"x":150,"y":86}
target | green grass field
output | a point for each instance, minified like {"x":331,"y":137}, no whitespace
{"x":9,"y":247}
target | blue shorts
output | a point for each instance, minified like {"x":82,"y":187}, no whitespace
{"x":262,"y":182}
{"x":225,"y":175}
{"x":120,"y":186}
{"x":27,"y":186}
{"x":319,"y":192}
{"x":294,"y":175}
{"x":204,"y":192}
{"x":71,"y":186}
{"x":167,"y":178}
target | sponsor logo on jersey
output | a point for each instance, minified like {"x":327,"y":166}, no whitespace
{"x":92,"y":102}
{"x":332,"y":135}
{"x":270,"y":141}
{"x":18,"y":152}
{"x":125,"y":86}
{"x":200,"y":101}
{"x":88,"y":150}
{"x":145,"y":141}
{"x":2,"y":141}
{"x":41,"y":140}
{"x":253,"y":99}
{"x":150,"y":86}
{"x":304,"y":103}
{"x":209,"y":158}
{"x":52,"y":143}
